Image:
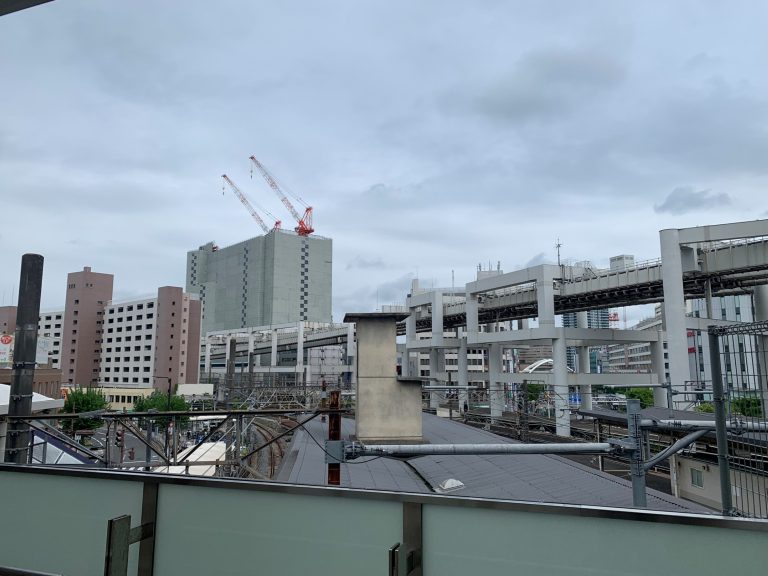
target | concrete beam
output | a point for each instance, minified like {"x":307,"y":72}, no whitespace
{"x":721,"y":232}
{"x":541,"y":273}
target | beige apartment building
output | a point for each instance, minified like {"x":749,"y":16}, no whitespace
{"x":151,"y":342}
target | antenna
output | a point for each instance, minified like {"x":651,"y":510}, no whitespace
{"x":558,"y":246}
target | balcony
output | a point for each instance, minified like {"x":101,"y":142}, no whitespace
{"x":55,"y":520}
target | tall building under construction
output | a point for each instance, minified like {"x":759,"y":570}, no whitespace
{"x":277,"y":278}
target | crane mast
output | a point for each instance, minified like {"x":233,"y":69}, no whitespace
{"x":304,"y":227}
{"x":248,"y":205}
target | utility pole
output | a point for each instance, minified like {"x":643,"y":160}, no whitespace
{"x":25,"y":350}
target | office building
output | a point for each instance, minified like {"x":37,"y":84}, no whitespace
{"x":278,"y":278}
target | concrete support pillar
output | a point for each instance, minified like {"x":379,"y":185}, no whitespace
{"x":228,"y":349}
{"x":273,"y":359}
{"x":408,"y":370}
{"x":495,"y":386}
{"x":463,"y":373}
{"x":585,"y":390}
{"x":760,"y":300}
{"x":545,"y":298}
{"x":660,"y":396}
{"x":560,"y":381}
{"x":251,"y":341}
{"x":300,"y":353}
{"x":434,"y":368}
{"x":471,"y":307}
{"x":674,"y":308}
{"x":437,"y":319}
{"x":207,"y":368}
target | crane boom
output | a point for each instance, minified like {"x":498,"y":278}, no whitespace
{"x":304,"y":227}
{"x":248,"y":205}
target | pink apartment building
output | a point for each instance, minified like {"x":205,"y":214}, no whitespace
{"x":87,"y":294}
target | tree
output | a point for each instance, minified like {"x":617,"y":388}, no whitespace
{"x":747,"y":406}
{"x":706,"y":407}
{"x":83,"y":400}
{"x":159,"y":401}
{"x":645,"y":395}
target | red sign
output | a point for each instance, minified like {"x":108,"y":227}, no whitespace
{"x":6,"y":339}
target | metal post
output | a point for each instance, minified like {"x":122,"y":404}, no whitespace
{"x":25,"y":349}
{"x":719,"y":400}
{"x":636,"y":457}
{"x":334,"y":433}
{"x":148,"y":453}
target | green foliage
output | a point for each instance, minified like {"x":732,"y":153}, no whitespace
{"x":83,"y":400}
{"x":747,"y":406}
{"x":534,"y":391}
{"x":706,"y":407}
{"x":159,"y":401}
{"x":645,"y":395}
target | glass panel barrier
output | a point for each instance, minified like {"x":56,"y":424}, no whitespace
{"x":59,"y":523}
{"x":202,"y":530}
{"x":474,"y":540}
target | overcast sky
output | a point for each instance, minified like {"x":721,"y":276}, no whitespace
{"x":428,"y":136}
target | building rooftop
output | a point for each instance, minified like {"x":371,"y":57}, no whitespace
{"x":535,"y":478}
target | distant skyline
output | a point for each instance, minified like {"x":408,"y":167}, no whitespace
{"x":429,"y":136}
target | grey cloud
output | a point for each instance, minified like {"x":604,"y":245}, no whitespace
{"x":360,"y":262}
{"x":540,"y":258}
{"x":549,"y":83}
{"x":684,"y":199}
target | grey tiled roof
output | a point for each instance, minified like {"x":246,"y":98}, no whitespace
{"x":538,"y":478}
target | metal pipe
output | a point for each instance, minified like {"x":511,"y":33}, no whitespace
{"x":397,"y":450}
{"x":734,"y":425}
{"x":25,"y":350}
{"x":674,"y":448}
{"x":720,"y":401}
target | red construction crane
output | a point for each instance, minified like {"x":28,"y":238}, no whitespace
{"x":250,"y":208}
{"x":304,"y":227}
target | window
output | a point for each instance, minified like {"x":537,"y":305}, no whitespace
{"x":139,"y":306}
{"x":150,"y":305}
{"x":697,"y":478}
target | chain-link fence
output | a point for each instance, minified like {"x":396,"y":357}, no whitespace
{"x":740,"y":352}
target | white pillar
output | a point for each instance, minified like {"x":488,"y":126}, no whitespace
{"x":471,"y":307}
{"x":434,"y":362}
{"x":560,"y":381}
{"x":495,"y":386}
{"x":273,"y":359}
{"x":300,"y":353}
{"x":410,"y":337}
{"x":585,"y":390}
{"x":463,"y":373}
{"x":674,"y":308}
{"x":437,"y":319}
{"x":545,"y":298}
{"x":207,"y":355}
{"x":660,"y":396}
